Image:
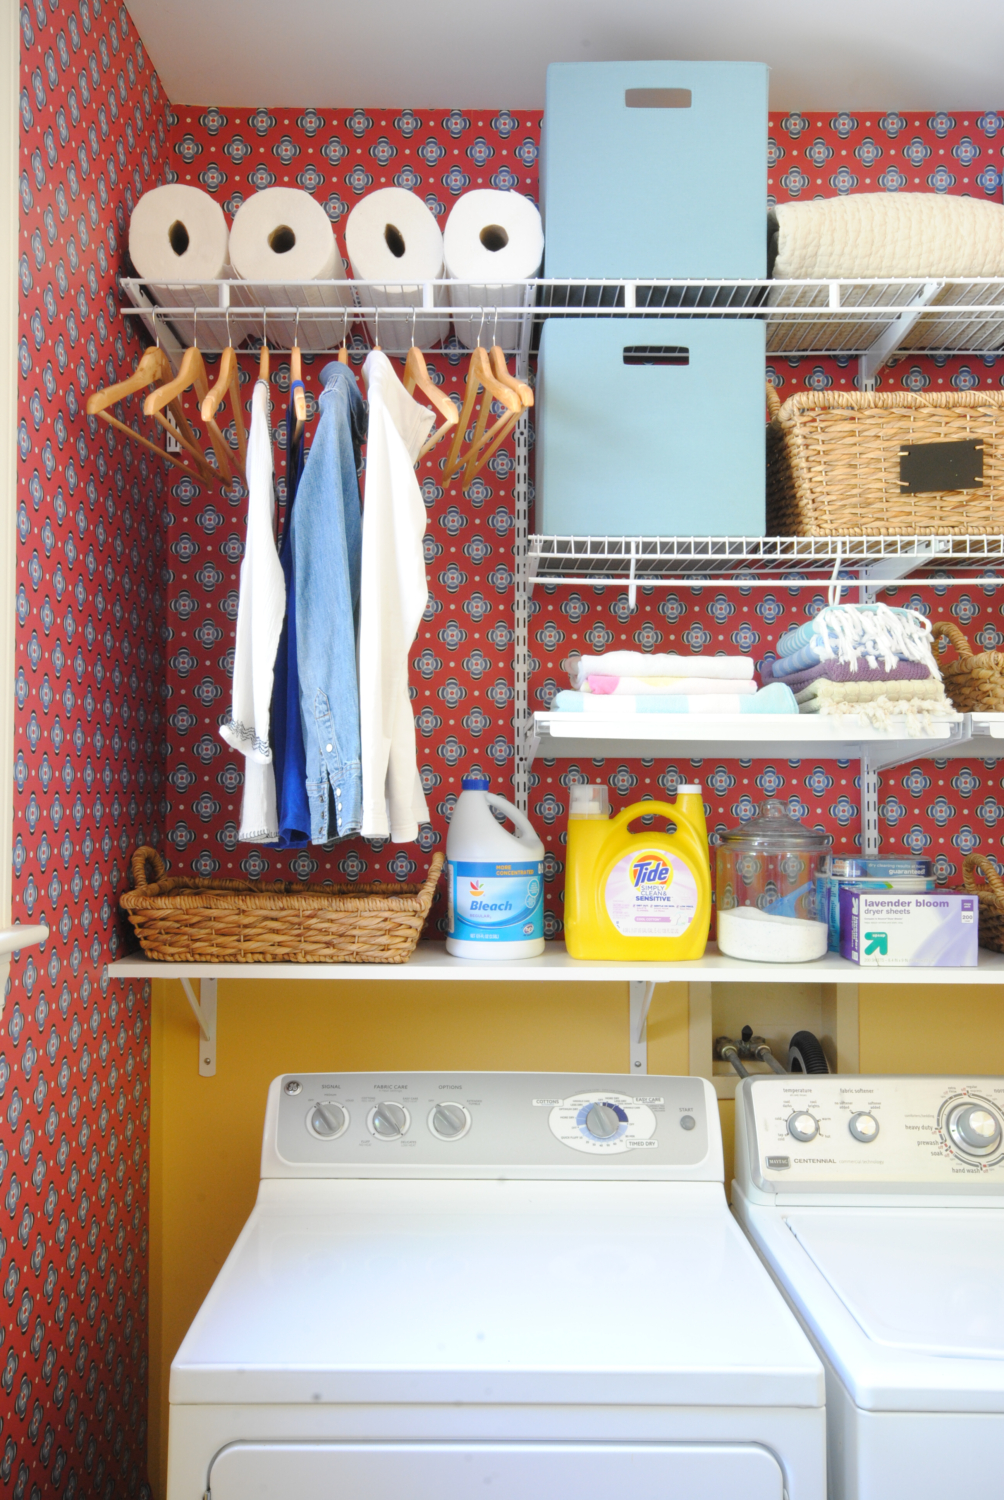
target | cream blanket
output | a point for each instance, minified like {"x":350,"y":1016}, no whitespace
{"x":879,"y":235}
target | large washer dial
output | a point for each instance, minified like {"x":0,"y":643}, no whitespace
{"x":449,"y":1122}
{"x":802,"y":1126}
{"x":327,"y":1120}
{"x":388,"y":1121}
{"x":863,"y":1127}
{"x":974,"y":1128}
{"x":602,"y":1123}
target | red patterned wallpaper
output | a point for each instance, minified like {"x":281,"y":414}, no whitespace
{"x":462,"y":661}
{"x":75,"y":1047}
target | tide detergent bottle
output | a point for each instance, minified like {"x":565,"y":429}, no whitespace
{"x":495,"y":879}
{"x":640,"y":895}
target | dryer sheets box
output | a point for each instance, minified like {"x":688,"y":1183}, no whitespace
{"x":893,"y":930}
{"x":655,"y":169}
{"x":650,"y":427}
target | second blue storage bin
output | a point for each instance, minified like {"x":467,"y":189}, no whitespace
{"x":651,"y":427}
{"x":655,"y":169}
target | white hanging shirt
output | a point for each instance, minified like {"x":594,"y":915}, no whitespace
{"x":393,"y":596}
{"x":260,"y":608}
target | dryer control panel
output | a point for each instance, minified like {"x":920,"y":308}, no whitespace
{"x":491,"y":1125}
{"x":855,"y":1134}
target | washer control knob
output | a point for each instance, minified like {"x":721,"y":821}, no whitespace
{"x":863,"y":1127}
{"x":389,"y":1122}
{"x":603,"y":1121}
{"x":803,"y":1127}
{"x":327,"y":1120}
{"x":448,"y":1122}
{"x":974,"y":1128}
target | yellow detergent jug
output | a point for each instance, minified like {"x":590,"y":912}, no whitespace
{"x":640,"y":895}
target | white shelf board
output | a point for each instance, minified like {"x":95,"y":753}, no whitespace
{"x":773,"y":736}
{"x":430,"y":961}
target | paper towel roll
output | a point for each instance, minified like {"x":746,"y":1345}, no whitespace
{"x":492,"y":243}
{"x":393,"y":238}
{"x":179,"y":233}
{"x":282,"y":236}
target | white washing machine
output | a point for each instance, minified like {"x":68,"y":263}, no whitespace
{"x":878,"y":1206}
{"x":524,"y":1281}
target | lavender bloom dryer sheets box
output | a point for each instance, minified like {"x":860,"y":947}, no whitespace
{"x":897,"y":930}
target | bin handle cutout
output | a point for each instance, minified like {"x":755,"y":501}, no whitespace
{"x":656,"y":354}
{"x":657,"y":98}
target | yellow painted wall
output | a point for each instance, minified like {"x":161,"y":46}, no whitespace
{"x":206,"y":1132}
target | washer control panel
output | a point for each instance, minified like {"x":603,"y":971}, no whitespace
{"x":813,"y":1133}
{"x":487,"y":1124}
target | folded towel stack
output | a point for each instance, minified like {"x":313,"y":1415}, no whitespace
{"x":864,"y":659}
{"x":632,"y":682}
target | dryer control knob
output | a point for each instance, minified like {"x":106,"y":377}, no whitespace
{"x":603,"y":1121}
{"x":803,"y":1127}
{"x":974,"y":1129}
{"x":863,"y":1127}
{"x":327,"y":1120}
{"x":448,"y":1122}
{"x":388,"y":1122}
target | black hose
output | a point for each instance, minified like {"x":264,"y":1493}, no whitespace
{"x":806,"y":1055}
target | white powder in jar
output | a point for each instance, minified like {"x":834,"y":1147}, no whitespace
{"x":747,"y":932}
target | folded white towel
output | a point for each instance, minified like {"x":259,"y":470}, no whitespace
{"x":618,"y":687}
{"x":889,"y":234}
{"x":641,"y":664}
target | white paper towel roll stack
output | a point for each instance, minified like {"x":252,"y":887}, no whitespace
{"x":393,"y":238}
{"x":179,"y":233}
{"x":493,"y":242}
{"x":279,"y":236}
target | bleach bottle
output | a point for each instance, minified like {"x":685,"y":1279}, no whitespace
{"x":495,"y":879}
{"x":640,"y":895}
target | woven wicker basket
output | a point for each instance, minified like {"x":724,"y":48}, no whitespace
{"x":833,"y":463}
{"x":991,"y":898}
{"x":974,"y":683}
{"x":235,"y":921}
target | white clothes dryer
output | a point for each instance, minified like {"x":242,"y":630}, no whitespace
{"x":878,"y":1206}
{"x":525,"y":1281}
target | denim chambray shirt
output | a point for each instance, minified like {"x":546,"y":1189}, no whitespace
{"x":327,"y":546}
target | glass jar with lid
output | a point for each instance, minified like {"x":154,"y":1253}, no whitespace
{"x":765,"y":888}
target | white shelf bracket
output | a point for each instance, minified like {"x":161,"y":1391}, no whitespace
{"x":900,"y":565}
{"x":870,"y":786}
{"x":204,"y":1011}
{"x":892,"y":336}
{"x":640,"y":993}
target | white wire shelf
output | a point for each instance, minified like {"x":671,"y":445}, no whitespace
{"x":853,"y":318}
{"x":634,"y":562}
{"x":585,"y":736}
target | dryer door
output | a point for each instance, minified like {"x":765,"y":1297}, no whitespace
{"x":515,"y":1471}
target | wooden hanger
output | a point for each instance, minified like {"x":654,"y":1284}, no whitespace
{"x":480,"y":453}
{"x":191,"y":374}
{"x":479,"y":378}
{"x":154,"y":366}
{"x":229,"y":383}
{"x":299,"y":395}
{"x":416,"y":374}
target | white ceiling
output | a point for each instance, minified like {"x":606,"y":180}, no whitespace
{"x":824,"y":54}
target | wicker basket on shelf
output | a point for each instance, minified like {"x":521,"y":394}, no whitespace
{"x":974,"y":683}
{"x":187,"y":918}
{"x":836,"y":463}
{"x":991,"y":898}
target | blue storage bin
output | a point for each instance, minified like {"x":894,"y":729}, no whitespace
{"x":655,"y":169}
{"x":628,"y":447}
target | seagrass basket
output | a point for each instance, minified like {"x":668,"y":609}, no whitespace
{"x":991,"y":898}
{"x":841,"y":464}
{"x":974,"y":683}
{"x":188,"y":918}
